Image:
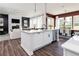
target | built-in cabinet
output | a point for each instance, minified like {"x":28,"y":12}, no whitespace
{"x":36,"y":40}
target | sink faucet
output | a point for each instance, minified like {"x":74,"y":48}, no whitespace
{"x":44,"y":26}
{"x":34,"y":26}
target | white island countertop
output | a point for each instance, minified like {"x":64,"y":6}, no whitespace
{"x":72,"y":44}
{"x":32,"y":31}
{"x":36,"y":31}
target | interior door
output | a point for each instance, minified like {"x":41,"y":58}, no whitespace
{"x":3,"y":24}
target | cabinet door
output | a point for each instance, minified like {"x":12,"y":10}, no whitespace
{"x":26,"y":41}
{"x":37,"y":39}
{"x":47,"y":38}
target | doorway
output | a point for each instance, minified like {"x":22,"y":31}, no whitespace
{"x":4,"y":35}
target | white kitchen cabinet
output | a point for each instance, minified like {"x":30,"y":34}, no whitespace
{"x":38,"y":40}
{"x":16,"y":33}
{"x":47,"y":37}
{"x":32,"y":41}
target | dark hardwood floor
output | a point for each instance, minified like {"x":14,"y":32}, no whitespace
{"x":53,"y":49}
{"x":13,"y":48}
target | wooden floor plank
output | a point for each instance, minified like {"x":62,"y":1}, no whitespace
{"x":1,"y":48}
{"x":10,"y":48}
{"x":13,"y":48}
{"x":5,"y":51}
{"x":20,"y":50}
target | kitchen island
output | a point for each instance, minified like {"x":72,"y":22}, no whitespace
{"x":36,"y":39}
{"x":71,"y":47}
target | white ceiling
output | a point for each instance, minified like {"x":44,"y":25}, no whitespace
{"x":57,"y":8}
{"x":28,"y":8}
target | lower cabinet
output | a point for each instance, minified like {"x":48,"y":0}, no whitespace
{"x":48,"y":37}
{"x":42,"y":39}
{"x":16,"y":33}
{"x":36,"y":40}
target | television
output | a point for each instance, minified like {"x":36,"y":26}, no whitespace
{"x":15,"y":21}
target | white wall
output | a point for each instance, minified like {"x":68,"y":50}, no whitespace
{"x":16,"y":32}
{"x":17,"y":14}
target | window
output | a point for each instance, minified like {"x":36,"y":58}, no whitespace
{"x":76,"y":22}
{"x":50,"y":23}
{"x":68,"y":22}
{"x":61,"y":25}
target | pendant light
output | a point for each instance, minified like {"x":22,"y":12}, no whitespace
{"x":35,"y":8}
{"x":45,"y":7}
{"x":45,"y":11}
